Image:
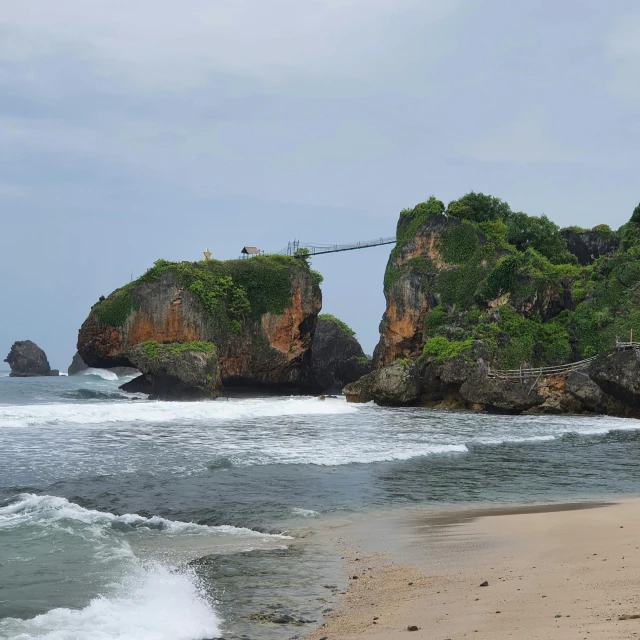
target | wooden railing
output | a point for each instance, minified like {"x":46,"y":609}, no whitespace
{"x":519,"y":375}
{"x":538,"y":372}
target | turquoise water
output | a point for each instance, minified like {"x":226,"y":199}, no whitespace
{"x":124,"y":518}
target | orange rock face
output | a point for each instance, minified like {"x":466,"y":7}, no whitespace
{"x":274,"y":349}
{"x":402,"y":326}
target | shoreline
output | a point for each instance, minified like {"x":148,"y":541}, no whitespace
{"x":557,"y":570}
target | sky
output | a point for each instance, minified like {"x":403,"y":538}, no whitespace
{"x":139,"y":129}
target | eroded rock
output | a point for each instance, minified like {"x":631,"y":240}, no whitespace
{"x":175,"y":371}
{"x":28,"y":360}
{"x":395,"y":386}
{"x":337,"y":356}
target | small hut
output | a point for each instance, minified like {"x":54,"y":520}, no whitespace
{"x":248,"y":252}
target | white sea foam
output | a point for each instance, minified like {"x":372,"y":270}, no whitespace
{"x":165,"y":412}
{"x":102,"y":373}
{"x":30,"y":508}
{"x":153,"y":603}
{"x":305,"y":513}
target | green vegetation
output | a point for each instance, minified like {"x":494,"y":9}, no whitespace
{"x":115,"y":309}
{"x":231,"y":292}
{"x":458,"y":243}
{"x":154,"y":349}
{"x":408,"y":224}
{"x":505,"y":283}
{"x":442,"y":348}
{"x":344,"y":327}
{"x":434,"y":320}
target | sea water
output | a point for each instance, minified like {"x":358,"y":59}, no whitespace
{"x":125,"y":518}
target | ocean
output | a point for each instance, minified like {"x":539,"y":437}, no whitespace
{"x":122,"y":518}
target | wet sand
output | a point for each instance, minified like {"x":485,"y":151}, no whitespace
{"x":558,"y":571}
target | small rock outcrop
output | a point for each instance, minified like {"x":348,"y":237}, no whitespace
{"x":617,"y":373}
{"x":77,"y":365}
{"x":499,"y":395}
{"x":28,"y":360}
{"x":588,"y":246}
{"x":397,"y":385}
{"x":187,"y":371}
{"x":337,"y":357}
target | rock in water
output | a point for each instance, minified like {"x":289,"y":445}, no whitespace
{"x":260,"y":314}
{"x":337,"y":356}
{"x":77,"y":365}
{"x":27,"y":359}
{"x":395,"y":386}
{"x":187,"y":371}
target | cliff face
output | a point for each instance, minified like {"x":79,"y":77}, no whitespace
{"x":260,"y":314}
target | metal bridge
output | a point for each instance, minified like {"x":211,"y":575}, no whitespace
{"x":302,"y":248}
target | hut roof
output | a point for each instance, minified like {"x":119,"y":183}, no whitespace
{"x":252,"y":251}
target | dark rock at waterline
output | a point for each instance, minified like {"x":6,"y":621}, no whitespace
{"x":337,"y":357}
{"x":170,"y":372}
{"x":617,"y":373}
{"x":394,"y":386}
{"x":499,"y":395}
{"x":77,"y":365}
{"x":27,"y":360}
{"x":279,"y":617}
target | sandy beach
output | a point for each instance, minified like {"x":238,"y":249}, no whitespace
{"x":562,"y":571}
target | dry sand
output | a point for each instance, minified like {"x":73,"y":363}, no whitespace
{"x":567,"y":574}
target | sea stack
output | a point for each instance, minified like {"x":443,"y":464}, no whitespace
{"x":28,"y":360}
{"x":258,"y":315}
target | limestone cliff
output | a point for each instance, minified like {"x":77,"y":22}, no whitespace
{"x":475,"y":285}
{"x":260,"y":314}
{"x":477,"y":271}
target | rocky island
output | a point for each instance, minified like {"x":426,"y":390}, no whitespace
{"x":28,"y":360}
{"x":474,"y":287}
{"x":195,"y":329}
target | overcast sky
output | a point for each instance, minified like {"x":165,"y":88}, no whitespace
{"x":137,"y":129}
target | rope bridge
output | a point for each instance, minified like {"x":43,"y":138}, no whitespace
{"x":519,"y":375}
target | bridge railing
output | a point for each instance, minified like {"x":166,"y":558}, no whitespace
{"x":538,"y":372}
{"x":317,"y":249}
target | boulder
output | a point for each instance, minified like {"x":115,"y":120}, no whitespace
{"x":175,"y":371}
{"x":585,"y":390}
{"x":501,"y":396}
{"x":27,"y":359}
{"x":396,"y":385}
{"x":617,"y":373}
{"x":337,"y":357}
